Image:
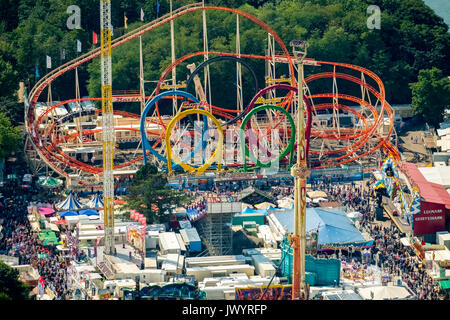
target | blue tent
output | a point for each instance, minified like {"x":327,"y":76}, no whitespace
{"x":71,"y":203}
{"x":96,"y":202}
{"x":334,"y":226}
{"x":89,"y":212}
{"x":248,"y":210}
{"x":68,"y":213}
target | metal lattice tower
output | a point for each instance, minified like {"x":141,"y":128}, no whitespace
{"x":107,"y":124}
{"x":300,"y":172}
{"x":215,"y":228}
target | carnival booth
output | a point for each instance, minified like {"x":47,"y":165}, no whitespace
{"x":431,"y":207}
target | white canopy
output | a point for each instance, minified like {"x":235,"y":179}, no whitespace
{"x":316,"y":194}
{"x":264,"y":205}
{"x":405,"y":242}
{"x":96,"y":202}
{"x":245,"y":205}
{"x":384,"y":293}
{"x":285,"y":202}
{"x":354,"y":214}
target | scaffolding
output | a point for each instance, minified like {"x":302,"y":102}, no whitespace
{"x":215,"y":229}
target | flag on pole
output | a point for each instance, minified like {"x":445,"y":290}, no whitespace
{"x":63,"y":53}
{"x":78,"y":45}
{"x":37,"y":73}
{"x":94,"y":38}
{"x":125,"y":21}
{"x":142,"y":15}
{"x":157,"y":8}
{"x":49,"y":62}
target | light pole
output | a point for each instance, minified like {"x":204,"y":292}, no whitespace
{"x":299,"y":171}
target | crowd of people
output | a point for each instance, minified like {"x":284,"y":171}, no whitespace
{"x":388,"y":252}
{"x":353,"y":195}
{"x":19,"y":241}
{"x":399,"y":260}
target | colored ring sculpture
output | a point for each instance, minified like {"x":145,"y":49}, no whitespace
{"x":216,"y":155}
{"x":219,"y":58}
{"x":146,"y":145}
{"x":293,"y":89}
{"x":246,"y":152}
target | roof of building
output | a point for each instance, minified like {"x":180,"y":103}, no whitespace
{"x":334,"y":226}
{"x":253,"y":196}
{"x":190,"y":235}
{"x":439,"y":175}
{"x":169,"y":241}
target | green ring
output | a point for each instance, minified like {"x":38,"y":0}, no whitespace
{"x":246,"y":151}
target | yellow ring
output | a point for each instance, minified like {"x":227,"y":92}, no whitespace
{"x":216,"y":155}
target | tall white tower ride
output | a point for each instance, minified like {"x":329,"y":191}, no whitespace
{"x":107,"y":125}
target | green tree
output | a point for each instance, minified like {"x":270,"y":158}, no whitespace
{"x":151,"y":196}
{"x":10,"y":137}
{"x":431,"y":95}
{"x":11,"y":288}
{"x":12,"y":109}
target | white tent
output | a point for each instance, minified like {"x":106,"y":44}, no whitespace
{"x":70,"y":203}
{"x":245,"y":205}
{"x":384,"y":293}
{"x":405,"y":242}
{"x":285,"y":202}
{"x":354,"y":215}
{"x":316,"y":194}
{"x":96,"y":202}
{"x":317,"y":200}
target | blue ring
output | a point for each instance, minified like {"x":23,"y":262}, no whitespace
{"x":146,"y":145}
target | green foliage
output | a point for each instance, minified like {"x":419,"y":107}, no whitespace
{"x":412,"y":37}
{"x":431,"y":95}
{"x":150,"y":195}
{"x":12,"y":109}
{"x":11,"y":288}
{"x":10,"y":137}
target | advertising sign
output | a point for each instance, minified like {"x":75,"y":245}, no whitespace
{"x":431,"y":218}
{"x":136,"y":236}
{"x":431,"y":208}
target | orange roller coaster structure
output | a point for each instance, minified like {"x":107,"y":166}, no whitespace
{"x":332,"y":144}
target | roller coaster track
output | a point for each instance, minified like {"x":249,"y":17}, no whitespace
{"x":57,"y":160}
{"x":46,"y":154}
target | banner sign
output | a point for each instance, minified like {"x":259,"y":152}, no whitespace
{"x":274,"y":292}
{"x":430,"y":220}
{"x":136,"y":236}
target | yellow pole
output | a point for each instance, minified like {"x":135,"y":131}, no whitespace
{"x":299,"y":171}
{"x":107,"y":125}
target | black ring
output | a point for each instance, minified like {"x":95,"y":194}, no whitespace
{"x":242,"y":62}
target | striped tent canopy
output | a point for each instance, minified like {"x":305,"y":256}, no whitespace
{"x":70,"y":203}
{"x":96,"y":202}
